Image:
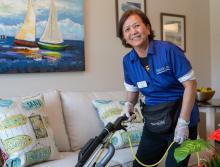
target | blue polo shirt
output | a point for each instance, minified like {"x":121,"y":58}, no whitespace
{"x":168,"y":67}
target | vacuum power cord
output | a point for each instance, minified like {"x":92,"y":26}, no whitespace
{"x":145,"y":165}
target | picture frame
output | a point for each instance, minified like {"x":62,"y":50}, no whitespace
{"x":42,"y":36}
{"x":122,"y":5}
{"x":173,"y":29}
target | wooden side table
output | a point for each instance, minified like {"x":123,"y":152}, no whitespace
{"x":210,"y":108}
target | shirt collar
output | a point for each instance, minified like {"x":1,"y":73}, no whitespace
{"x":151,"y":50}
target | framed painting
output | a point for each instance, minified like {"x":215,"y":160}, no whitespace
{"x":123,"y":5}
{"x":41,"y":36}
{"x":173,"y":29}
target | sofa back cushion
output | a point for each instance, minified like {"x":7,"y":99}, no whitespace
{"x":55,"y":114}
{"x":82,"y":121}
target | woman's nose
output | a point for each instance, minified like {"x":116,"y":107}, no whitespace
{"x":133,"y":31}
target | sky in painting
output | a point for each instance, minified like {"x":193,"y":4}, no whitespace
{"x":69,"y":13}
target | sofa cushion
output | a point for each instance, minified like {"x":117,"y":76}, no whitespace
{"x":25,"y":133}
{"x":82,"y":121}
{"x":124,"y":156}
{"x":109,"y":111}
{"x":66,"y":159}
{"x":55,"y":114}
{"x":69,"y":159}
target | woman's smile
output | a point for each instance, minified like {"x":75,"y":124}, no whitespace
{"x":135,"y":31}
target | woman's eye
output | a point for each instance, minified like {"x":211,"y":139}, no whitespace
{"x":137,"y":25}
{"x":126,"y":30}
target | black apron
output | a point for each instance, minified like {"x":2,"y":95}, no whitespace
{"x":161,"y":118}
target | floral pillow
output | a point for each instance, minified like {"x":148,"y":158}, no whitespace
{"x":25,"y":135}
{"x":109,"y":111}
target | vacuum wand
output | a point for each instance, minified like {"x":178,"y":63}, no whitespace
{"x":89,"y":148}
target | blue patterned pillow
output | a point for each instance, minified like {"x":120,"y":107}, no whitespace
{"x":109,"y":111}
{"x":25,"y":135}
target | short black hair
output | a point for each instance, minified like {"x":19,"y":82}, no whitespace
{"x":125,"y":16}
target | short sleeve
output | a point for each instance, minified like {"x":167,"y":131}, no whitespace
{"x":180,"y":64}
{"x":129,"y":85}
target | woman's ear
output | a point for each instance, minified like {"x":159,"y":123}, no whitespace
{"x":148,"y":29}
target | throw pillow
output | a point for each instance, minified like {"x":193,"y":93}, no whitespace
{"x":25,"y":135}
{"x":109,"y":111}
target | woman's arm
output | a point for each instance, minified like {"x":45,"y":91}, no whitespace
{"x":182,"y":129}
{"x":188,"y":99}
{"x":132,"y":97}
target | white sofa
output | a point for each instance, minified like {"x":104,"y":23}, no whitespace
{"x":74,"y":121}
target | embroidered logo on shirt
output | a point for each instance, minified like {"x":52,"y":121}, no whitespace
{"x":142,"y":84}
{"x":162,"y":69}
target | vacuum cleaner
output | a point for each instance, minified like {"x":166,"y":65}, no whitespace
{"x":89,"y":152}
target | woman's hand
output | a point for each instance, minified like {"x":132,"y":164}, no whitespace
{"x":131,"y":100}
{"x":181,"y":131}
{"x":128,"y":109}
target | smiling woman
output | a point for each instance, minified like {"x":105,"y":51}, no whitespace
{"x":164,"y":76}
{"x":135,"y":34}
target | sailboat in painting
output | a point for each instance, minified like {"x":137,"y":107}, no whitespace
{"x":51,"y":38}
{"x":26,"y":36}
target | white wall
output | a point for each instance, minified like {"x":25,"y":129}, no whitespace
{"x":103,"y":51}
{"x":197,"y":31}
{"x":215,"y":45}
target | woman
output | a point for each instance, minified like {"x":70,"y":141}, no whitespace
{"x":162,"y":73}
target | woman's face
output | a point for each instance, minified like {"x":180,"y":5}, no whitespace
{"x":135,"y":32}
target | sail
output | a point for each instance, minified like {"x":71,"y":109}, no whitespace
{"x":52,"y":33}
{"x":27,"y":31}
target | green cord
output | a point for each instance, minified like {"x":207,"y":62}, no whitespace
{"x":135,"y":157}
{"x":129,"y":139}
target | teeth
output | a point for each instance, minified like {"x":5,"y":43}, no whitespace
{"x":135,"y":38}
